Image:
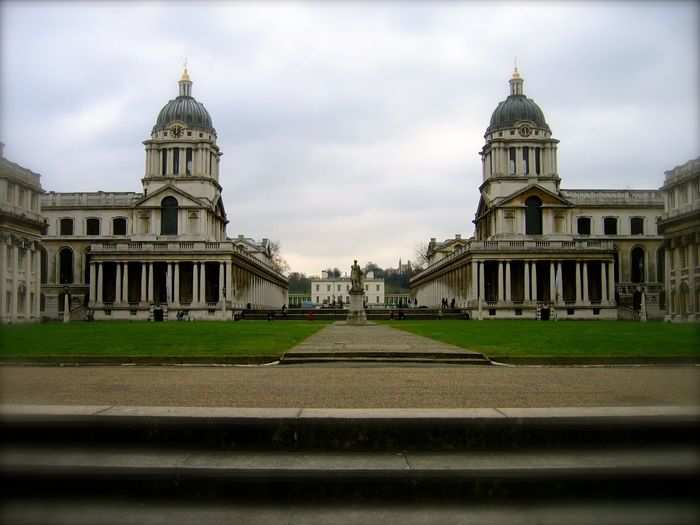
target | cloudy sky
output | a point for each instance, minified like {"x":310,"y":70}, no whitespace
{"x":349,"y":130}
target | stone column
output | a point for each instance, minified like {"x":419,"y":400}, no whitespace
{"x":603,"y":284}
{"x":28,"y":288}
{"x":202,"y":283}
{"x":667,"y":280}
{"x":526,"y":276}
{"x":578,"y":282}
{"x":176,"y":284}
{"x":585,"y":283}
{"x":501,"y":284}
{"x":169,"y":282}
{"x":229,"y":282}
{"x":3,"y":276}
{"x":37,"y":283}
{"x":508,"y":294}
{"x":15,"y":282}
{"x":611,"y":282}
{"x":560,"y":285}
{"x":142,"y":289}
{"x":552,"y":283}
{"x":125,"y":286}
{"x":482,"y":281}
{"x":100,"y":282}
{"x":222,"y":290}
{"x":533,"y":286}
{"x":118,"y":284}
{"x":150,"y":283}
{"x":195,"y":283}
{"x":93,"y":283}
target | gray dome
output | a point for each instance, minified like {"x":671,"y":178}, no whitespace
{"x":185,"y":109}
{"x":513,"y":109}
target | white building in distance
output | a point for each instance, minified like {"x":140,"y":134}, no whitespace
{"x":329,"y":290}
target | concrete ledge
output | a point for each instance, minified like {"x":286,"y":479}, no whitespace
{"x":12,"y":411}
{"x":149,"y":361}
{"x":579,"y":361}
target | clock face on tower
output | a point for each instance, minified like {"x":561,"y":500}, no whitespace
{"x":176,"y":131}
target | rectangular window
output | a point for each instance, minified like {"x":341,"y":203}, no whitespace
{"x":119,"y":226}
{"x":92,"y":227}
{"x":377,"y":287}
{"x":176,"y":161}
{"x":10,"y":193}
{"x":584,"y":225}
{"x":66,"y":227}
{"x":537,"y":160}
{"x":164,"y":162}
{"x":672,"y":198}
{"x":347,"y":298}
{"x":637,"y":226}
{"x":526,"y":160}
{"x":610,"y":226}
{"x":328,"y":288}
{"x":511,"y":161}
{"x":188,"y":161}
{"x":317,"y":289}
{"x":377,"y":299}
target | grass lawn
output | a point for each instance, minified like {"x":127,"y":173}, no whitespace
{"x":143,"y":339}
{"x":564,"y":338}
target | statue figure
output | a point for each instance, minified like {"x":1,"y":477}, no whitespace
{"x":356,"y":278}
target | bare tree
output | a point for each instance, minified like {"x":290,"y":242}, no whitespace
{"x":278,"y":262}
{"x":422,"y":250}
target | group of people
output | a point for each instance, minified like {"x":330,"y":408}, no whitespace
{"x":445,"y":304}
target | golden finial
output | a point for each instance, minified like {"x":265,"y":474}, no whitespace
{"x":515,"y":70}
{"x":185,"y":75}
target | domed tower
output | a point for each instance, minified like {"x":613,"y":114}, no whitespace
{"x":519,"y":149}
{"x":182,"y":151}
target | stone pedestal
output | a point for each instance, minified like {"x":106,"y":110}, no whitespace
{"x":356,"y":307}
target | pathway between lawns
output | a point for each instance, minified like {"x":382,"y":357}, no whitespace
{"x":340,"y":341}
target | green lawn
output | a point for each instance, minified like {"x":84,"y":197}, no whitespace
{"x":563,"y":339}
{"x":142,"y":339}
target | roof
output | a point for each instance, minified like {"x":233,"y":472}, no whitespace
{"x":514,"y":109}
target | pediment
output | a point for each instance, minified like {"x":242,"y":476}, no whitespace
{"x":547,"y":197}
{"x":184,"y":199}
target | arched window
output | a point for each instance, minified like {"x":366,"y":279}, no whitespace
{"x":533,"y":216}
{"x":65,"y":261}
{"x":637,"y":265}
{"x":168,"y":216}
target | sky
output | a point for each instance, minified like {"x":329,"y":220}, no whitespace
{"x":349,"y":130}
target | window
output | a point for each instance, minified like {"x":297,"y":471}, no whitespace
{"x":537,"y":159}
{"x":584,"y":225}
{"x":188,"y":161}
{"x":672,"y":199}
{"x":533,"y":216}
{"x":317,"y":289}
{"x":637,"y":265}
{"x":119,"y":226}
{"x":511,"y":161}
{"x":66,"y":227}
{"x":377,"y":299}
{"x":176,"y":161}
{"x":10,"y":193}
{"x":65,"y":262}
{"x":526,"y":160}
{"x":164,"y":162}
{"x":168,"y":216}
{"x":92,"y":227}
{"x":637,"y":226}
{"x":338,"y":287}
{"x":377,"y":287}
{"x":610,"y":226}
{"x":328,"y":287}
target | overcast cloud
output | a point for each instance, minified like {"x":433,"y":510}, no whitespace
{"x":349,"y":130}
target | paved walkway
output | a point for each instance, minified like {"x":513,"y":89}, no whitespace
{"x":351,"y":386}
{"x":340,"y":337}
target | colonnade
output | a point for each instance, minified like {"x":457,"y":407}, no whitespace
{"x":237,"y":290}
{"x":468,"y":283}
{"x":20,"y":279}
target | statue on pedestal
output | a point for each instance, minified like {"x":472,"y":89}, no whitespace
{"x":356,"y":278}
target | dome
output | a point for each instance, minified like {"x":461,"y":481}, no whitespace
{"x":185,"y":109}
{"x":516,"y":107}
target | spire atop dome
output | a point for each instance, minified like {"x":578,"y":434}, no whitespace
{"x":185,"y":83}
{"x":516,"y":82}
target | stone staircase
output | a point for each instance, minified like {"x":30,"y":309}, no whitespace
{"x":328,"y":314}
{"x":209,"y":465}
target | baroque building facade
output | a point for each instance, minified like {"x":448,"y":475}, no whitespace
{"x":540,"y":250}
{"x":151,"y":255}
{"x":21,"y":227}
{"x":680,"y":226}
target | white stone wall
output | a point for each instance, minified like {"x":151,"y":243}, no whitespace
{"x":327,"y":290}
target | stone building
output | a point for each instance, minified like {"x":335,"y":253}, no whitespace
{"x":328,"y":290}
{"x":21,"y":226}
{"x":680,"y":226}
{"x":540,"y":250}
{"x":149,"y":255}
